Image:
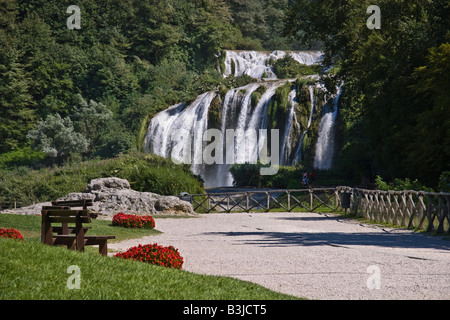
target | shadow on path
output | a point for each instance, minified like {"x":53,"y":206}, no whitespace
{"x":390,"y":240}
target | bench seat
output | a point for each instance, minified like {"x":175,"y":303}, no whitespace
{"x":74,"y":237}
{"x":69,"y":240}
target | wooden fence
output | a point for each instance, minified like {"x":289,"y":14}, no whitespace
{"x":286,"y":200}
{"x":428,"y":211}
{"x":9,"y":205}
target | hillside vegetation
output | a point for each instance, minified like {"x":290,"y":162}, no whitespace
{"x":144,"y":172}
{"x":73,"y":95}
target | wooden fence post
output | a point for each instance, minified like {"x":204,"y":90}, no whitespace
{"x":246,"y":201}
{"x":288,"y":200}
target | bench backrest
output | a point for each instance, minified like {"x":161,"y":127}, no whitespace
{"x":62,"y":215}
{"x":66,"y":216}
{"x":75,"y":203}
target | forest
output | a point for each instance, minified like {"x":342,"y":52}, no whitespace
{"x":72,"y":95}
{"x":396,"y":100}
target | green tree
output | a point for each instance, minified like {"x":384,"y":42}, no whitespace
{"x":57,"y":138}
{"x":16,"y":106}
{"x":91,"y":120}
{"x":262,"y":21}
{"x":432,"y":132}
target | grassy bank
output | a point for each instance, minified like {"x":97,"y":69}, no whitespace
{"x":31,"y":270}
{"x":30,"y":227}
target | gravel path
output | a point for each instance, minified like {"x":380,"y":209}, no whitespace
{"x":310,"y":255}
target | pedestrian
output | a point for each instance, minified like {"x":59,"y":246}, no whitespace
{"x":305,"y":179}
{"x":312,"y":177}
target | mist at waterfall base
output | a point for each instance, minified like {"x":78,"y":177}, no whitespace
{"x":237,"y":113}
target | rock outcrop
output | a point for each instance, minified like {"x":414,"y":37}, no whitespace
{"x":113,"y":195}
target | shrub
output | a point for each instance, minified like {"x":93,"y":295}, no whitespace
{"x":133,"y":221}
{"x":57,"y":138}
{"x":288,"y":67}
{"x":155,"y":254}
{"x":400,"y":185}
{"x":21,"y":157}
{"x":444,"y":182}
{"x":10,"y":233}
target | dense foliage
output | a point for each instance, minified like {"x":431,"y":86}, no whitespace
{"x":287,"y":177}
{"x":288,"y":67}
{"x":129,"y":59}
{"x":396,"y":98}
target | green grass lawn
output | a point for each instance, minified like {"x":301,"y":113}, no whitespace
{"x":31,"y":270}
{"x":30,"y":227}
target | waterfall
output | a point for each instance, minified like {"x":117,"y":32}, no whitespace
{"x":180,"y":121}
{"x":325,"y":142}
{"x":298,"y":152}
{"x":242,"y":120}
{"x":257,"y":64}
{"x":286,"y":141}
{"x":237,"y":114}
{"x":237,"y":98}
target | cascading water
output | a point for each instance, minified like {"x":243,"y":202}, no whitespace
{"x":178,"y":132}
{"x":180,"y":121}
{"x":325,"y":143}
{"x":257,"y":64}
{"x":298,"y":152}
{"x":286,"y":142}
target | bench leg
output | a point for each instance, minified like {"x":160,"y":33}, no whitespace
{"x":103,"y":248}
{"x":71,"y":246}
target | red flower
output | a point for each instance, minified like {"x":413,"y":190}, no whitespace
{"x":133,"y":221}
{"x":155,"y":254}
{"x":10,"y":233}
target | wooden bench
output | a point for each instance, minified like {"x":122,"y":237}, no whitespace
{"x":83,"y":203}
{"x":56,"y":230}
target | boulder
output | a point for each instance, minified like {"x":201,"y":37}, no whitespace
{"x":108,"y":183}
{"x":113,"y":195}
{"x":173,"y":204}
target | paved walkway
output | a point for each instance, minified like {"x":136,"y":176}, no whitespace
{"x":310,"y":255}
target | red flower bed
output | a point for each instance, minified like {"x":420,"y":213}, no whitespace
{"x":155,"y":254}
{"x":10,"y":233}
{"x":133,"y":221}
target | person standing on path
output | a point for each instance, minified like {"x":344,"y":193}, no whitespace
{"x":312,"y":177}
{"x":305,"y":179}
